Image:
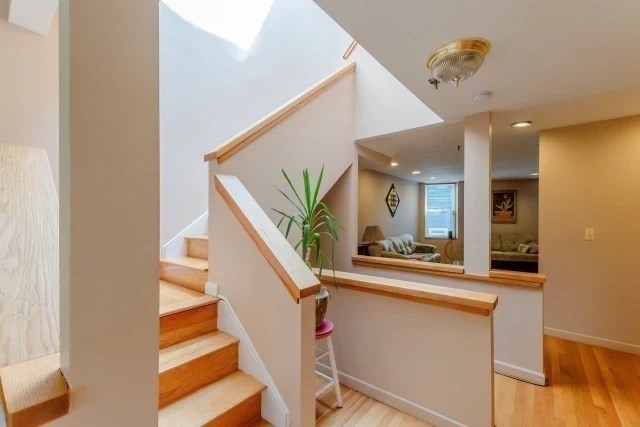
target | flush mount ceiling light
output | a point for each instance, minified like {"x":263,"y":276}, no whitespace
{"x":522,"y":124}
{"x":394,"y":164}
{"x":415,"y":172}
{"x":456,"y":61}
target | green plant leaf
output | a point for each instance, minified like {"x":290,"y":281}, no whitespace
{"x":293,"y":188}
{"x":318,"y":183}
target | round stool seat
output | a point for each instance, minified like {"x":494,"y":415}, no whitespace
{"x":324,"y":330}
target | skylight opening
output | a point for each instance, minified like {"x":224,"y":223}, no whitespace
{"x":236,"y":21}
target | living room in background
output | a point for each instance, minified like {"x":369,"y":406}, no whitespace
{"x":514,"y":185}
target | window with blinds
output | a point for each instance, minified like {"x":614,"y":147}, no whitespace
{"x":440,"y":210}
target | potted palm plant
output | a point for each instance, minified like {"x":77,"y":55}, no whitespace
{"x":317,"y":225}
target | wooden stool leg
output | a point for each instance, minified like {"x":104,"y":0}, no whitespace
{"x":334,"y":372}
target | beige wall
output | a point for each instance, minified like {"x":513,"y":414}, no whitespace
{"x":589,"y":177}
{"x":372,"y":208}
{"x":527,"y":206}
{"x":29,"y":88}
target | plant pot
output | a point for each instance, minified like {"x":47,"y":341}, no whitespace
{"x":322,"y":302}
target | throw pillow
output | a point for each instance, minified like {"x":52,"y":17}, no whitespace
{"x":533,"y":248}
{"x":522,"y":248}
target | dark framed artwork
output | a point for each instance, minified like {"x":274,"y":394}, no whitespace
{"x":504,"y":207}
{"x":392,"y":200}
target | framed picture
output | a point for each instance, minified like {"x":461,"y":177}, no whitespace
{"x":392,"y":200}
{"x":504,"y":208}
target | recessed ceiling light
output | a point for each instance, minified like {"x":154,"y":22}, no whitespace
{"x":534,"y":174}
{"x":415,"y":172}
{"x":522,"y":124}
{"x":394,"y":164}
{"x":433,"y":177}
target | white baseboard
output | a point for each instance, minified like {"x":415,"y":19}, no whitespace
{"x":274,"y":409}
{"x":587,"y":339}
{"x":519,"y":373}
{"x":391,"y":399}
{"x":177,"y":246}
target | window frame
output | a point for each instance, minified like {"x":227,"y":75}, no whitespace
{"x":455,"y":208}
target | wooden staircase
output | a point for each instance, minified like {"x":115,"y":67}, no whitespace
{"x":200,"y":384}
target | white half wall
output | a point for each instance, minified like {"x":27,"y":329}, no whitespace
{"x":280,"y":329}
{"x":518,"y":322}
{"x":320,"y":133}
{"x":431,"y":362}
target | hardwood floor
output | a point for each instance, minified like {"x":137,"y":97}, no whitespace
{"x":589,"y":387}
{"x":360,"y":410}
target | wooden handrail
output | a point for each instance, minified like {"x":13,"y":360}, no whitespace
{"x":290,"y":268}
{"x":456,"y":299}
{"x":244,"y":138}
{"x":500,"y":277}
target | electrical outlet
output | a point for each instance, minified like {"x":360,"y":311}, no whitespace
{"x":589,"y":234}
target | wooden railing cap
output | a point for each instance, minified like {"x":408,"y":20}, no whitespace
{"x":456,"y":299}
{"x":294,"y":273}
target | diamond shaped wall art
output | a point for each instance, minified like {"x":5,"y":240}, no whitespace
{"x":393,"y":200}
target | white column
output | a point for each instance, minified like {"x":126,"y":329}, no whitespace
{"x":477,"y":193}
{"x":109,"y":209}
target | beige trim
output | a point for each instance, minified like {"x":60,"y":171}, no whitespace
{"x":350,"y":48}
{"x":456,"y":299}
{"x":34,"y":392}
{"x":495,"y":276}
{"x":244,"y":138}
{"x":295,"y":275}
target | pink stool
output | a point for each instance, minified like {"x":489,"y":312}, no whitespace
{"x":324,"y":331}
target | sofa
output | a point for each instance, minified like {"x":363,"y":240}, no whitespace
{"x":505,"y":254}
{"x":404,"y":247}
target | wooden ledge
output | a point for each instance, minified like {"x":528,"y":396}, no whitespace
{"x":455,"y":299}
{"x":34,"y":392}
{"x":244,"y":138}
{"x":414,"y":265}
{"x":500,"y":277}
{"x":294,"y":273}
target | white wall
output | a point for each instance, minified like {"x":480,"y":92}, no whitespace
{"x":589,"y":177}
{"x":109,"y":205}
{"x":211,"y":90}
{"x":433,"y":363}
{"x":29,"y":88}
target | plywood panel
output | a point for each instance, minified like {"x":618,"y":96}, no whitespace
{"x":29,"y":272}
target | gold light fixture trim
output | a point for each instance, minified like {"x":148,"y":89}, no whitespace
{"x":458,"y":60}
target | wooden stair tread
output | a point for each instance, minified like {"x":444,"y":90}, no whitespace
{"x":187,"y":261}
{"x":175,"y":298}
{"x":34,"y":392}
{"x":211,"y":402}
{"x":185,"y":271}
{"x":183,"y":352}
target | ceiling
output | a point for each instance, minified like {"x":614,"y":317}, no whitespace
{"x":557,"y":64}
{"x":433,"y":150}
